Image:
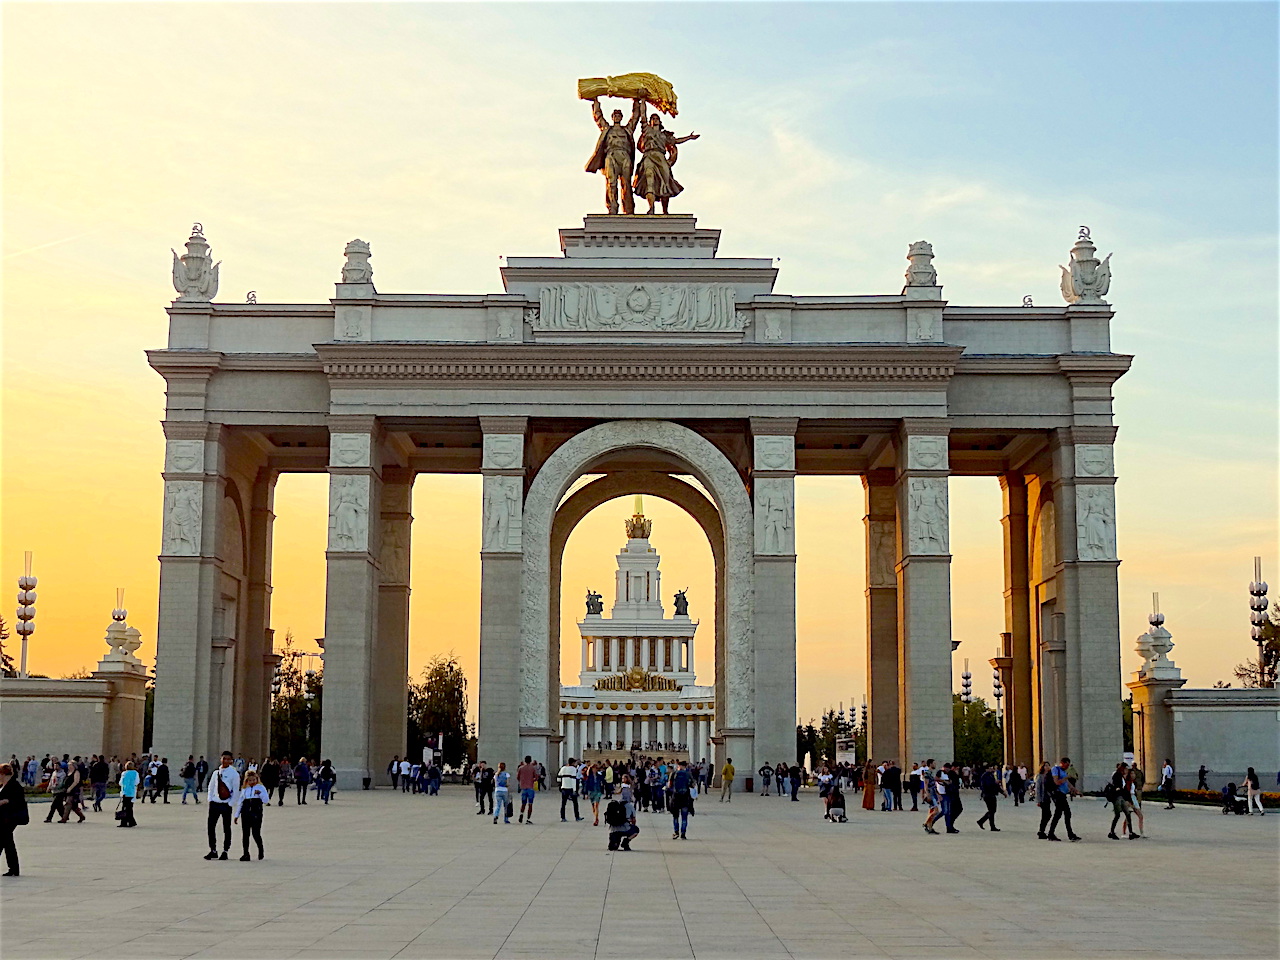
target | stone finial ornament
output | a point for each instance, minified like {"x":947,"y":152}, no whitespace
{"x":1154,"y":646}
{"x":357,"y":268}
{"x":195,"y":275}
{"x":1089,"y":278}
{"x":921,"y":272}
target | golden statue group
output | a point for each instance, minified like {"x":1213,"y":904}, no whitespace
{"x":615,"y":151}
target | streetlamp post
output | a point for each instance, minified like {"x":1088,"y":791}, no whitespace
{"x":27,"y":609}
{"x":1257,"y":617}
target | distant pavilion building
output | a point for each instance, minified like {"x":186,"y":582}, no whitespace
{"x":637,"y":689}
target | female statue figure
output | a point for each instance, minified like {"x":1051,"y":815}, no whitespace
{"x":653,"y":180}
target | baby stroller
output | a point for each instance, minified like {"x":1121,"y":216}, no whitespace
{"x":1231,"y":803}
{"x":835,"y":806}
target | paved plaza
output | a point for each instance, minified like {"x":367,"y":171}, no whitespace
{"x":379,"y":875}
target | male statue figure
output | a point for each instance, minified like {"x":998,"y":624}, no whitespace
{"x":615,"y":154}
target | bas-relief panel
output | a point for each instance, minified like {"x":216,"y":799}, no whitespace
{"x":503,"y":451}
{"x":183,"y":512}
{"x":775,"y":453}
{"x":881,"y":554}
{"x":928,"y":530}
{"x":638,"y":306}
{"x":927,"y":453}
{"x":349,"y":449}
{"x":501,"y":515}
{"x":775,"y":516}
{"x":1095,"y":460}
{"x":1096,"y":522}
{"x":349,"y":513}
{"x":184,"y":456}
{"x":395,"y":551}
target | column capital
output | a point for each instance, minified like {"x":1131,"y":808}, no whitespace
{"x":489,"y":425}
{"x":352,"y":423}
{"x":774,"y":426}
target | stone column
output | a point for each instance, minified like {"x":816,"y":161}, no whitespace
{"x":351,"y":598}
{"x":924,"y":592}
{"x":189,"y":589}
{"x":391,"y":651}
{"x":1088,"y":596}
{"x":1016,"y":640}
{"x":503,"y":691}
{"x":773,"y":490}
{"x":881,"y":525}
{"x":255,"y":660}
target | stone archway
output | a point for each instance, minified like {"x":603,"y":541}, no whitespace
{"x":621,"y":484}
{"x":700,"y":458}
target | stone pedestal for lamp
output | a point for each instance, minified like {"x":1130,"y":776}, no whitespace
{"x":126,"y":708}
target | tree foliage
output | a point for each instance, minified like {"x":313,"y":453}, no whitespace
{"x":7,"y":667}
{"x":295,"y":719}
{"x":438,"y":704}
{"x":977,"y":736}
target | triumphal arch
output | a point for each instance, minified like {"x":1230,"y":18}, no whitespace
{"x":642,"y":359}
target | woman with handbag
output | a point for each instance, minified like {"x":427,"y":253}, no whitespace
{"x":13,"y":813}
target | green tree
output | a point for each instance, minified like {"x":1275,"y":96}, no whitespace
{"x":438,"y":704}
{"x":7,"y":668}
{"x":296,"y":707}
{"x":825,"y":750}
{"x":1126,"y":718}
{"x":977,"y":736}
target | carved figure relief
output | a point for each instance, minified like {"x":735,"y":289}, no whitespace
{"x":506,"y":329}
{"x":1096,"y":522}
{"x":349,"y":450}
{"x":357,"y":268}
{"x":774,"y":517}
{"x":927,"y":453}
{"x":775,"y":453}
{"x":1094,"y":460}
{"x":501,"y":514}
{"x":183,"y":511}
{"x":881,"y":555}
{"x":503,"y":450}
{"x":352,"y":324}
{"x":348,"y":513}
{"x":639,"y":306}
{"x":195,"y":275}
{"x":928,"y":519}
{"x":772,"y":326}
{"x":395,"y":550}
{"x":184,"y":456}
{"x":923,"y":324}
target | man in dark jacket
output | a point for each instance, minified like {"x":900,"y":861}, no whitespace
{"x":202,"y":771}
{"x":162,"y":780}
{"x":99,"y":771}
{"x":269,"y":774}
{"x":990,"y":787}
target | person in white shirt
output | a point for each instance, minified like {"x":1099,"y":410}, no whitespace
{"x":224,"y":793}
{"x":405,"y":768}
{"x":1166,"y":783}
{"x":568,"y":778}
{"x":249,"y":805}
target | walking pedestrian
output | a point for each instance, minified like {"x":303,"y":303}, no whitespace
{"x":1166,"y":783}
{"x":224,"y":794}
{"x":250,"y":803}
{"x":1133,"y":796}
{"x":681,"y":804}
{"x":1060,"y":794}
{"x":527,"y":781}
{"x":1117,"y":791}
{"x":913,"y":785}
{"x":57,"y":787}
{"x":1253,"y":796}
{"x":406,"y":768}
{"x":13,"y":814}
{"x":1017,"y":785}
{"x":1041,"y":789}
{"x":286,"y":780}
{"x":202,"y":771}
{"x":568,"y":780}
{"x":325,"y":778}
{"x":1202,"y":781}
{"x":269,"y":774}
{"x":990,"y":787}
{"x":129,"y":779}
{"x":188,"y":774}
{"x":953,"y":806}
{"x":393,"y":771}
{"x":928,"y":789}
{"x":99,"y":771}
{"x":162,"y":779}
{"x":726,"y":781}
{"x":74,"y":784}
{"x":501,"y":794}
{"x":302,"y":780}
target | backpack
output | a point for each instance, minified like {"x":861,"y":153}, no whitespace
{"x":1109,"y":791}
{"x":615,"y":815}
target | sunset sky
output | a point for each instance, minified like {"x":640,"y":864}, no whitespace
{"x":832,"y":136}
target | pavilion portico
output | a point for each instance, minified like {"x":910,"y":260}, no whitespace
{"x":642,"y":359}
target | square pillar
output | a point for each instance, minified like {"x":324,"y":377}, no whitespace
{"x":502,"y":691}
{"x":189,"y":575}
{"x":391,"y":649}
{"x":1088,"y":597}
{"x":351,"y":597}
{"x":773,"y":474}
{"x":881,"y":524}
{"x":924,"y":592}
{"x":1016,"y":640}
{"x":255,"y":659}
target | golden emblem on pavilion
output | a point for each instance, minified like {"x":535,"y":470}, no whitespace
{"x":637,"y":678}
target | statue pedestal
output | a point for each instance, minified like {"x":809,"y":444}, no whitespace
{"x":126,"y":708}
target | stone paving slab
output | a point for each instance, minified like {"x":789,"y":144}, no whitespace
{"x":388,"y":875}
